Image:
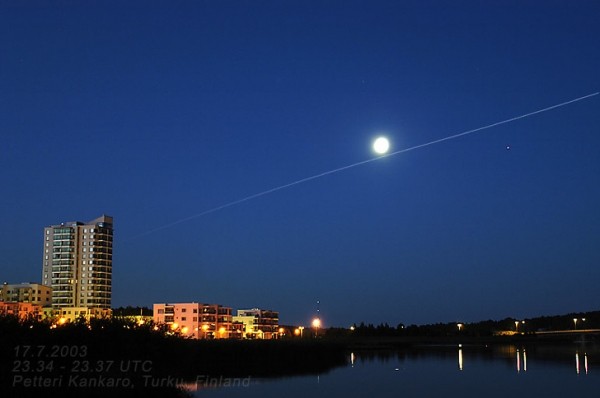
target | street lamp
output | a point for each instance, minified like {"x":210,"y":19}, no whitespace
{"x":575,"y":321}
{"x":204,"y":329}
{"x":517,"y":325}
{"x":316,"y":323}
{"x":459,"y":325}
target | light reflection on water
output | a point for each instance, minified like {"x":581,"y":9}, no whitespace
{"x":495,"y":371}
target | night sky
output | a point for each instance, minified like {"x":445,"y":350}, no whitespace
{"x":153,"y":112}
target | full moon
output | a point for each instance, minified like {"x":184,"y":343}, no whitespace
{"x":381,"y":145}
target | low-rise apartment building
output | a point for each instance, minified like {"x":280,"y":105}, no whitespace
{"x":195,"y":320}
{"x":258,"y":323}
{"x":22,"y":310}
{"x":33,"y":293}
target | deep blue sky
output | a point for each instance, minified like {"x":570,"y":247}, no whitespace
{"x":155,"y":111}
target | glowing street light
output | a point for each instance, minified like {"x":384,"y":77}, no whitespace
{"x":460,"y":326}
{"x":316,"y":323}
{"x":517,"y":325}
{"x":575,"y":321}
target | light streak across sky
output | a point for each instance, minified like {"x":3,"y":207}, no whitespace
{"x":339,"y":169}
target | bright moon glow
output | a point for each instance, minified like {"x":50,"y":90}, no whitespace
{"x":373,"y":159}
{"x":381,"y":145}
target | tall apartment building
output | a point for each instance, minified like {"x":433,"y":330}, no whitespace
{"x":77,"y":263}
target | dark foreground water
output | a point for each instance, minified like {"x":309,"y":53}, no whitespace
{"x":438,"y":371}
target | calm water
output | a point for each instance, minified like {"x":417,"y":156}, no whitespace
{"x":467,"y":371}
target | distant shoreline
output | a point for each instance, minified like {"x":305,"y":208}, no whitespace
{"x":391,"y":342}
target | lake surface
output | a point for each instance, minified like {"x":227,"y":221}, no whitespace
{"x":440,"y":371}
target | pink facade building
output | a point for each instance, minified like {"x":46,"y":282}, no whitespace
{"x":196,"y":320}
